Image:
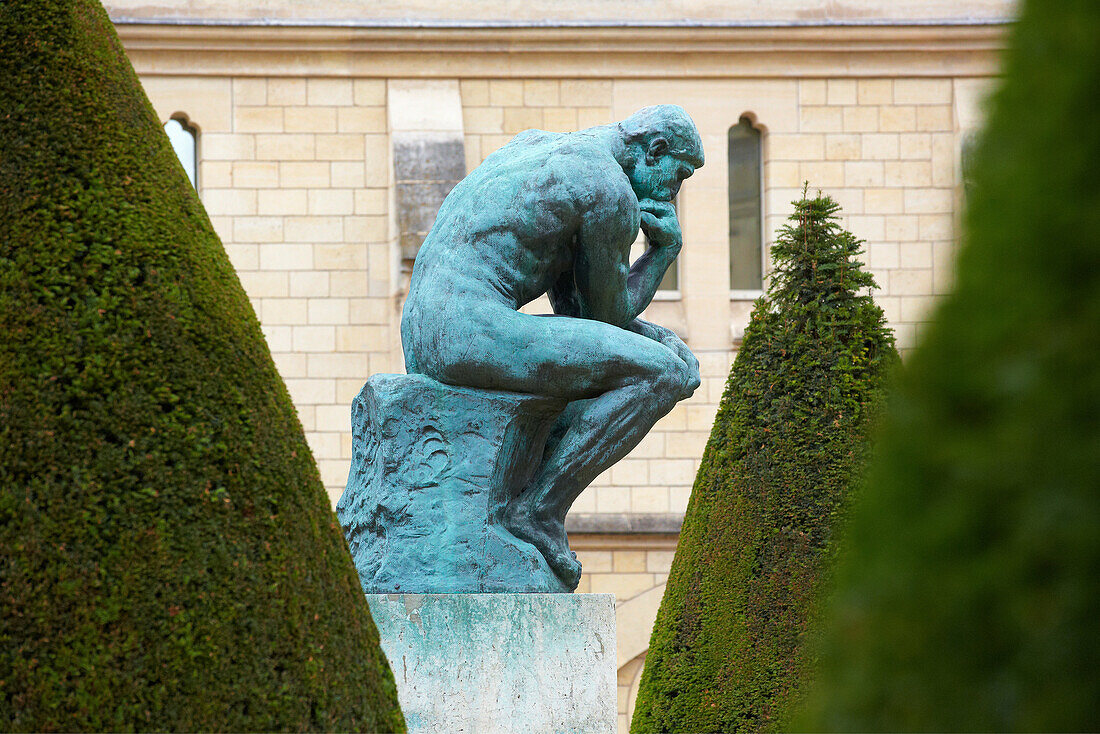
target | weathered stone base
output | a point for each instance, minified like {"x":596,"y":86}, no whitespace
{"x":481,"y":663}
{"x":433,"y":468}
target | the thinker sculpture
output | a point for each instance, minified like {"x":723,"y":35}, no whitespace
{"x":552,"y":213}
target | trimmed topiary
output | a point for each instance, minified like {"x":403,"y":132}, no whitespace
{"x":170,"y":559}
{"x":969,"y":594}
{"x":788,"y":443}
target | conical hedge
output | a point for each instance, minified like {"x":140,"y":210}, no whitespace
{"x":787,"y":445}
{"x":169,"y":558}
{"x":970,"y":598}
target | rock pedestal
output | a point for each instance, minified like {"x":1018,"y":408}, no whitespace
{"x":432,"y":469}
{"x":507,"y":663}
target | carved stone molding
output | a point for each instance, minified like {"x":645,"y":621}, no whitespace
{"x":562,"y":52}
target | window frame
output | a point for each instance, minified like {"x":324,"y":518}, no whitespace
{"x":751,"y":294}
{"x":188,"y":126}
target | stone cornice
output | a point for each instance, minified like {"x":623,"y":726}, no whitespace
{"x":563,"y":12}
{"x":670,"y":51}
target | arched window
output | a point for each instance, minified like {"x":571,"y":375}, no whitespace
{"x":746,"y":209}
{"x":182,"y":134}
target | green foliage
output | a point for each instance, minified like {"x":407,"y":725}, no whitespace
{"x":169,"y":558}
{"x":969,"y":595}
{"x":787,"y":445}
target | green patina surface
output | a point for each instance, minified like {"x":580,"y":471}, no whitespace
{"x":970,"y":597}
{"x":169,"y":557}
{"x":556,"y":214}
{"x":433,"y":468}
{"x":788,"y":443}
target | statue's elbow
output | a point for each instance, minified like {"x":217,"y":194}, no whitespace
{"x":618,"y":315}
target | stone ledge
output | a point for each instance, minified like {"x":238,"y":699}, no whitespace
{"x":219,"y":48}
{"x":584,"y":542}
{"x":624,"y":522}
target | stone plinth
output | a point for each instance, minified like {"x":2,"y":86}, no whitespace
{"x":432,"y":469}
{"x":488,"y":663}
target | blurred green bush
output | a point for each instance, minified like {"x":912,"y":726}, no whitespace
{"x":969,"y":595}
{"x":170,"y":560}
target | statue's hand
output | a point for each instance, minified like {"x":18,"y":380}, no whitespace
{"x":660,"y":224}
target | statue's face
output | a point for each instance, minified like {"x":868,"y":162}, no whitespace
{"x":658,"y":173}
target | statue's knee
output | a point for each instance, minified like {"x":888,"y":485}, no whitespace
{"x":686,"y":381}
{"x":666,"y":382}
{"x":692,"y":380}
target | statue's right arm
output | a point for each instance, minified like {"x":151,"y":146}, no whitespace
{"x":663,"y":242}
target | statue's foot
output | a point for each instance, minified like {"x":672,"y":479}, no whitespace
{"x":547,"y":534}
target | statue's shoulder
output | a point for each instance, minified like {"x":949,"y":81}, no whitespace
{"x":583,"y":148}
{"x":566,"y":147}
{"x":567,"y":162}
{"x":589,"y":166}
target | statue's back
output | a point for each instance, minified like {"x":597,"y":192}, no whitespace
{"x":511,"y":222}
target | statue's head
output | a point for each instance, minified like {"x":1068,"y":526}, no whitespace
{"x":662,"y":149}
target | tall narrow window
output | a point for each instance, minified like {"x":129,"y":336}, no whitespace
{"x":746,"y":210}
{"x":182,"y":136}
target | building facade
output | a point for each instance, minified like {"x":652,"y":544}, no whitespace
{"x":323,"y":136}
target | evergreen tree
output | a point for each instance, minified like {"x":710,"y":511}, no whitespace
{"x":788,"y":443}
{"x":969,"y":592}
{"x":170,"y":560}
